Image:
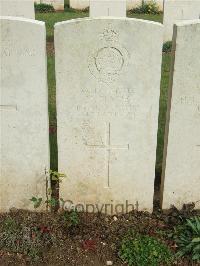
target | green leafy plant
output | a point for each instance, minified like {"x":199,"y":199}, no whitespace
{"x":50,"y":201}
{"x":36,"y":202}
{"x":149,"y":7}
{"x":187,"y":238}
{"x":142,"y":250}
{"x":71,"y":217}
{"x":43,"y":8}
{"x":167,"y":47}
{"x":56,"y":176}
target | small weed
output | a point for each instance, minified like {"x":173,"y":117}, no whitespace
{"x":55,"y":176}
{"x":167,"y":47}
{"x":36,"y":202}
{"x":71,"y":217}
{"x":50,"y":201}
{"x":142,"y":250}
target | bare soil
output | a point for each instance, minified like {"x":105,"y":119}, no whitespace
{"x":95,"y":239}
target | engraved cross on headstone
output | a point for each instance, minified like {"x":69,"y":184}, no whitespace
{"x":108,"y":147}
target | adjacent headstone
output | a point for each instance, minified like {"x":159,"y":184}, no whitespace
{"x":79,"y":4}
{"x":107,"y":111}
{"x":131,"y":4}
{"x":177,"y":10}
{"x":24,"y":148}
{"x":108,"y":8}
{"x":57,"y":4}
{"x":17,"y":8}
{"x":181,"y":169}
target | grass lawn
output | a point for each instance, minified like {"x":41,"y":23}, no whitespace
{"x":50,"y":19}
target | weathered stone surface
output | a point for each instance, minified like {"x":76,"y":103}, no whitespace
{"x":181,"y":176}
{"x":57,"y":4}
{"x":133,"y":4}
{"x":79,"y":4}
{"x":108,"y":8}
{"x":175,"y":11}
{"x":17,"y":8}
{"x":24,"y":141}
{"x":108,"y":83}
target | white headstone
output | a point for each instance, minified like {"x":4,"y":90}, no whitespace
{"x":131,"y":4}
{"x":57,"y":4}
{"x":79,"y":4}
{"x":108,"y":83}
{"x":181,"y":169}
{"x":177,"y":10}
{"x":17,"y":8}
{"x":110,"y":8}
{"x":24,"y":141}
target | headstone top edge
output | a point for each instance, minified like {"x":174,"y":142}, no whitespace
{"x":22,"y":19}
{"x":74,"y":21}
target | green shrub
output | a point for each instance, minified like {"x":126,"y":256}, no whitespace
{"x":86,"y":10}
{"x":44,"y":8}
{"x":187,"y":238}
{"x":142,"y":250}
{"x":69,"y":9}
{"x":167,"y":47}
{"x":149,"y":7}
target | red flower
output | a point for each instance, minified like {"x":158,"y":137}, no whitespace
{"x":89,"y":245}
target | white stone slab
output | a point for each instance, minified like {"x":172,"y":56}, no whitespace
{"x":79,"y":4}
{"x":177,"y":10}
{"x":23,"y":112}
{"x":181,"y":175}
{"x":107,"y":8}
{"x":17,"y":8}
{"x":108,"y":83}
{"x":57,"y":4}
{"x":130,"y":4}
